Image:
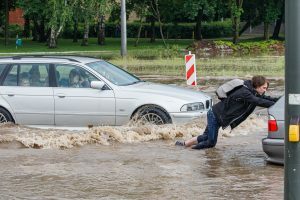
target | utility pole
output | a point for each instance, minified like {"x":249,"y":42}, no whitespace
{"x":6,"y":24}
{"x":292,"y":101}
{"x":123,"y":29}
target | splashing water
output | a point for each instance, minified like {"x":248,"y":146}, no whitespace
{"x":106,"y":135}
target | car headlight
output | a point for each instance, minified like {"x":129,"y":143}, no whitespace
{"x":192,"y":107}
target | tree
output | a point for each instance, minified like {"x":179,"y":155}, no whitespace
{"x":84,"y":10}
{"x":58,"y":13}
{"x":251,"y":15}
{"x":156,"y":14}
{"x":197,"y":9}
{"x":279,"y":20}
{"x":5,"y":7}
{"x":270,"y":13}
{"x":103,"y":7}
{"x":34,"y":10}
{"x":141,"y":8}
{"x":91,"y":11}
{"x":236,"y":11}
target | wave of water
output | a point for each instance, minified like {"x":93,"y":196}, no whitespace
{"x":106,"y":135}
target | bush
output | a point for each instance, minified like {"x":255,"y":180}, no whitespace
{"x":13,"y":31}
{"x":171,"y":31}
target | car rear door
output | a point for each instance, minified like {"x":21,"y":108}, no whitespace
{"x":77,"y":104}
{"x":31,"y":100}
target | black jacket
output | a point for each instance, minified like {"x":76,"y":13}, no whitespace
{"x":239,"y":104}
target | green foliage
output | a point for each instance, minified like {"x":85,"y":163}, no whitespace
{"x":175,"y":31}
{"x":236,"y":8}
{"x":248,"y":46}
{"x":271,"y":10}
{"x":13,"y":30}
{"x":192,"y":7}
{"x":58,"y":13}
{"x":172,"y":51}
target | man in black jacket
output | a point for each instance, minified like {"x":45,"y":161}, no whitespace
{"x":231,"y":111}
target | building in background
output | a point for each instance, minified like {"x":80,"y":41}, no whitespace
{"x":16,"y":17}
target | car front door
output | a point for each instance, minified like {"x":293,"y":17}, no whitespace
{"x":76,"y":103}
{"x":26,"y":89}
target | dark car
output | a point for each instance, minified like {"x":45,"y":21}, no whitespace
{"x":273,"y":144}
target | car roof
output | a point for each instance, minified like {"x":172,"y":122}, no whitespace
{"x":46,"y":58}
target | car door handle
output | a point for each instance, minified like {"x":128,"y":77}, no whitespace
{"x":10,"y":94}
{"x":61,"y":95}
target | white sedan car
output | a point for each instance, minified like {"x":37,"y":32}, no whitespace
{"x":69,"y":91}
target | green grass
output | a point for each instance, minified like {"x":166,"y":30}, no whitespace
{"x":230,"y":66}
{"x":154,"y":59}
{"x":111,"y":44}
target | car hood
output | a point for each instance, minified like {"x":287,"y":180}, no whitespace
{"x":166,"y":90}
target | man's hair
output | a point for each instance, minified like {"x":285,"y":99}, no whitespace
{"x":258,"y":81}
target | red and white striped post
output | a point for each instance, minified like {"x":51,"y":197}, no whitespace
{"x":190,"y":68}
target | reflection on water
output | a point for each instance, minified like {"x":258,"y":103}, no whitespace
{"x":137,"y":162}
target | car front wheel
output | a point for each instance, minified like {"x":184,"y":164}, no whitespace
{"x":152,"y":115}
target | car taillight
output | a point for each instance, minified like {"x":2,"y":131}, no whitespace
{"x":272,"y":124}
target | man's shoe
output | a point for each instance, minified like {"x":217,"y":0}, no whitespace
{"x":179,"y":143}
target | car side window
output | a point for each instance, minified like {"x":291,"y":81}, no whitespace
{"x":28,"y":75}
{"x":12,"y":77}
{"x":73,"y":77}
{"x":2,"y":67}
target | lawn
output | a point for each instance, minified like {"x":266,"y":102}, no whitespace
{"x":111,"y":45}
{"x":154,"y":59}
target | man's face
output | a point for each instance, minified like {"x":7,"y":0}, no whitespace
{"x":262,"y":89}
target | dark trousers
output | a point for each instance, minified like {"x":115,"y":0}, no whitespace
{"x":210,"y":136}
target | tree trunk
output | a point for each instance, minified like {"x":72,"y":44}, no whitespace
{"x":35,"y":30}
{"x":41,"y":31}
{"x":101,"y":30}
{"x":26,"y":32}
{"x":245,"y":27}
{"x":236,"y":9}
{"x":157,"y":13}
{"x":277,"y":27}
{"x":75,"y":30}
{"x":266,"y":31}
{"x":53,"y":38}
{"x":235,"y":30}
{"x":152,"y":30}
{"x":6,"y":23}
{"x":161,"y":32}
{"x":198,"y":34}
{"x":85,"y":34}
{"x":139,"y":33}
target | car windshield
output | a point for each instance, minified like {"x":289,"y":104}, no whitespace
{"x":113,"y":73}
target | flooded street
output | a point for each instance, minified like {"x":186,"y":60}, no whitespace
{"x":138,"y":162}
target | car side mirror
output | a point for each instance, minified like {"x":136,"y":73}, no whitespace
{"x":97,"y":85}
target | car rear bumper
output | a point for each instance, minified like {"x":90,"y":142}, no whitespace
{"x":186,"y":116}
{"x":274,"y":148}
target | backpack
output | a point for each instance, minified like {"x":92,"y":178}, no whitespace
{"x":228,"y":87}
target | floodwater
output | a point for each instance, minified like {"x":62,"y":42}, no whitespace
{"x":138,"y":162}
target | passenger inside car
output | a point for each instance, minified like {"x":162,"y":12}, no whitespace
{"x":35,"y":76}
{"x":74,"y":79}
{"x":24,"y":79}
